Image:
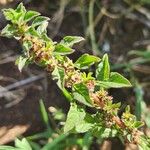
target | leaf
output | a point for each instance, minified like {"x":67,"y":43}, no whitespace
{"x":34,"y":145}
{"x":102,"y":132}
{"x":19,"y":145}
{"x":71,"y":40}
{"x":32,"y":31}
{"x":53,"y":145}
{"x":15,"y":16}
{"x":87,"y":141}
{"x":116,"y":81}
{"x":9,"y":14}
{"x":45,"y":116}
{"x":20,"y":8}
{"x":103,"y":69}
{"x":75,"y":115}
{"x":107,"y":84}
{"x":138,"y":124}
{"x":22,"y":144}
{"x":144,"y":143}
{"x":4,"y":147}
{"x":142,"y":53}
{"x":81,"y":94}
{"x":20,"y":13}
{"x":119,"y":80}
{"x":30,"y":15}
{"x":85,"y":125}
{"x":42,"y":28}
{"x":59,"y":74}
{"x":39,"y":20}
{"x":27,"y":45}
{"x":63,"y":49}
{"x":21,"y":62}
{"x":85,"y":61}
{"x":9,"y":31}
{"x":139,"y":94}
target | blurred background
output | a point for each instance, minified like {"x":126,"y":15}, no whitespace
{"x":120,"y":28}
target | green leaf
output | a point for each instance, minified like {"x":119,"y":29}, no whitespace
{"x":9,"y":14}
{"x":102,"y":132}
{"x":20,"y":13}
{"x":119,"y":80}
{"x":15,"y":16}
{"x":20,"y":8}
{"x":32,"y":31}
{"x":45,"y":116}
{"x":85,"y":61}
{"x":144,"y":143}
{"x":87,"y":141}
{"x":59,"y":74}
{"x":4,"y":147}
{"x":129,"y":137}
{"x":116,"y":81}
{"x":139,"y":94}
{"x":42,"y":28}
{"x":138,"y":124}
{"x":81,"y":94}
{"x":21,"y":62}
{"x":127,"y":109}
{"x":30,"y":15}
{"x":75,"y":115}
{"x":39,"y":20}
{"x":34,"y":145}
{"x":27,"y":45}
{"x":63,"y":49}
{"x":103,"y":69}
{"x":83,"y":127}
{"x":55,"y":143}
{"x":22,"y":144}
{"x":71,"y":40}
{"x":19,"y":145}
{"x":9,"y":31}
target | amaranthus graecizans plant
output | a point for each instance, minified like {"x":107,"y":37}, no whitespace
{"x":80,"y":88}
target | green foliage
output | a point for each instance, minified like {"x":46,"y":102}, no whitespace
{"x":71,"y":40}
{"x":103,"y":69}
{"x":9,"y":31}
{"x":21,"y":62}
{"x":62,"y":49}
{"x":39,"y":20}
{"x":27,"y":45}
{"x":15,"y":16}
{"x":75,"y":115}
{"x":115,"y":81}
{"x":78,"y":120}
{"x":81,"y":94}
{"x":85,"y":61}
{"x":45,"y":116}
{"x":80,"y":88}
{"x":144,"y":1}
{"x":58,"y":74}
{"x":144,"y":143}
{"x":30,"y":15}
{"x":141,"y":53}
{"x":104,"y":133}
{"x":19,"y":145}
{"x":109,"y":79}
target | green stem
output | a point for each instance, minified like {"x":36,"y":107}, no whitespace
{"x":91,"y":28}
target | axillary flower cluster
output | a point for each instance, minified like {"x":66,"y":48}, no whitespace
{"x":80,"y":88}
